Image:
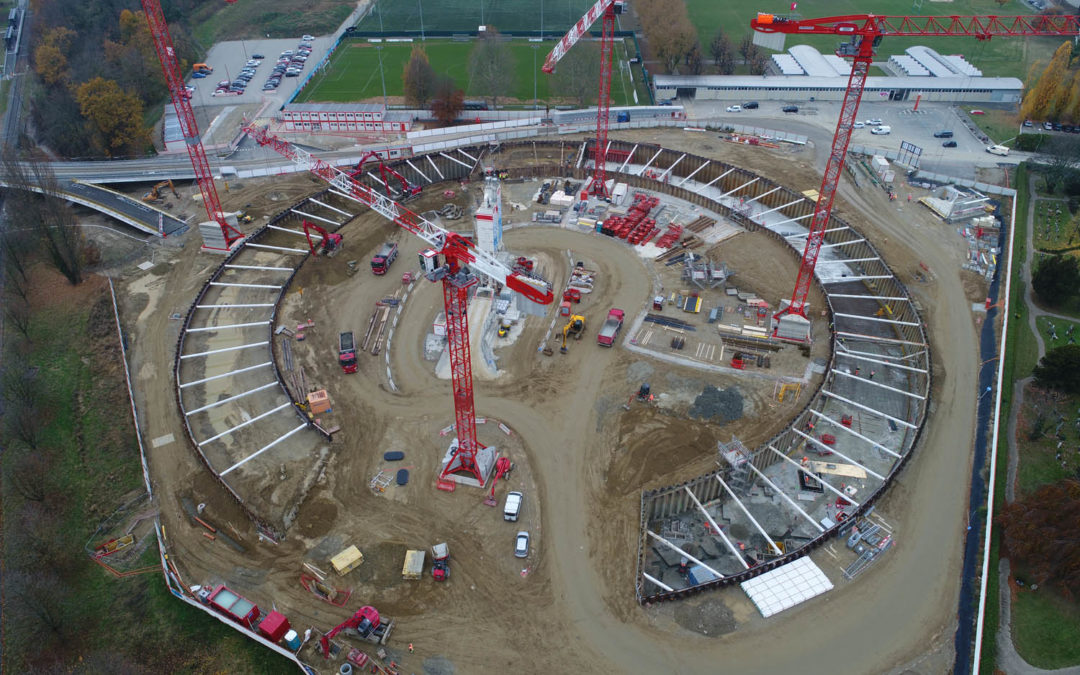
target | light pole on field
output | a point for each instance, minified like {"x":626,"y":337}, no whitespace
{"x":421,"y":4}
{"x":383,"y":78}
{"x":534,"y":74}
{"x":481,"y":12}
{"x":541,"y":20}
{"x":379,"y":5}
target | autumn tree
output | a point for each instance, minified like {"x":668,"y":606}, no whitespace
{"x":668,"y":30}
{"x":114,"y":116}
{"x":1042,"y":532}
{"x":491,"y":67}
{"x":748,"y":50}
{"x":577,"y":74}
{"x":419,"y":79}
{"x":723,"y":53}
{"x":1043,"y":97}
{"x":51,"y":55}
{"x":448,"y":102}
{"x":134,"y":60}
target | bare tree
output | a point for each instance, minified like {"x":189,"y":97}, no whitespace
{"x":695,"y":63}
{"x":43,"y":603}
{"x":491,"y":67}
{"x":723,"y":53}
{"x":48,"y":216}
{"x":1059,"y":156}
{"x":29,"y":476}
{"x":578,"y":72}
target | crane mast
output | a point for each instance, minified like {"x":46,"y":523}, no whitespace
{"x":865,"y":32}
{"x":463,"y":263}
{"x":163,"y":44}
{"x":604,"y":10}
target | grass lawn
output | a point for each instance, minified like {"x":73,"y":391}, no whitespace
{"x":1002,"y":126}
{"x":1046,"y":629}
{"x":1061,"y":327}
{"x":1054,"y":226}
{"x":353,"y":71}
{"x":455,"y":15}
{"x":93,"y":469}
{"x":247,"y":19}
{"x":1003,"y":57}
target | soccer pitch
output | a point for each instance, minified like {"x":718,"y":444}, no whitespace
{"x":556,"y":16}
{"x":1000,"y":57}
{"x":352,"y":73}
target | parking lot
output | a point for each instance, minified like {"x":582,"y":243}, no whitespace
{"x":228,"y":59}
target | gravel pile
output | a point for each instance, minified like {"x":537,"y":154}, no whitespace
{"x":710,"y":617}
{"x":717,"y":405}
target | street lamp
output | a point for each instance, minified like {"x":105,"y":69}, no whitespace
{"x":534,"y":75}
{"x":421,"y":4}
{"x":383,"y":78}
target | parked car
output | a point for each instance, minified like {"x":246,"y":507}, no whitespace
{"x":881,"y":131}
{"x":269,"y":87}
{"x":198,"y":76}
{"x":734,"y":108}
{"x":223,"y":83}
{"x":308,"y":38}
{"x":790,"y":109}
{"x":1048,"y":126}
{"x":287,"y":52}
{"x":858,"y":125}
{"x":1057,"y":126}
{"x":521,"y":545}
{"x":874,"y":122}
{"x":949,"y":144}
{"x":977,"y":112}
{"x":292,"y":73}
{"x":750,"y":105}
{"x":258,"y":56}
{"x":1027,"y":123}
{"x":1067,"y":128}
{"x":943,"y":134}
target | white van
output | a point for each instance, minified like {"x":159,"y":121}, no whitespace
{"x":997,"y":150}
{"x":512,"y":509}
{"x":881,"y":131}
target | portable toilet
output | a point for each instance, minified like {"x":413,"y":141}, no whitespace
{"x":292,"y":640}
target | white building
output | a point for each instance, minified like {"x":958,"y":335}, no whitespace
{"x":803,"y":74}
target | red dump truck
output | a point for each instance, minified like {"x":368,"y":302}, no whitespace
{"x":382,"y":259}
{"x":233,"y":605}
{"x":610,"y":330}
{"x":347,"y":352}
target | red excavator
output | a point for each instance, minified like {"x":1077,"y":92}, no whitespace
{"x":329,"y":244}
{"x":408,"y":190}
{"x":503,"y":466}
{"x":368,"y":625}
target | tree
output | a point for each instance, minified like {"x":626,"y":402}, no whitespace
{"x":1043,"y":98}
{"x":723,"y":53}
{"x":1056,"y":279}
{"x":419,"y":79}
{"x":51,"y":55}
{"x":49,"y":217}
{"x":668,"y":30}
{"x":1042,"y":531}
{"x":695,"y":62}
{"x":1059,"y":369}
{"x":114,"y":116}
{"x":578,"y":74}
{"x":491,"y":67}
{"x":448,"y":102}
{"x":748,"y":49}
{"x":134,"y":58}
{"x":1059,"y":156}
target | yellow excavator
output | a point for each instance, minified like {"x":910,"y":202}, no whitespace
{"x":574,"y":328}
{"x":155,"y":192}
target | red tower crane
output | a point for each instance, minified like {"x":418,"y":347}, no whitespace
{"x":463,"y":262}
{"x":866,"y":32}
{"x":607,"y":10}
{"x":163,"y":44}
{"x":408,"y":190}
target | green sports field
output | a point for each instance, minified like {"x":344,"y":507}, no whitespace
{"x":466,"y":15}
{"x":353,"y":72}
{"x":1000,"y":57}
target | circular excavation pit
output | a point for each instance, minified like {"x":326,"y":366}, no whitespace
{"x":583,"y":445}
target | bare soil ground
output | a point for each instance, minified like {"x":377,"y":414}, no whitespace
{"x":582,"y":461}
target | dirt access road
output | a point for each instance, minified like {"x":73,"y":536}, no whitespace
{"x":581,"y":607}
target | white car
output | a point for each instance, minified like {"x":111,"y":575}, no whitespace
{"x":858,"y":125}
{"x":521,"y":545}
{"x":873,"y":122}
{"x":734,"y":108}
{"x":308,"y":38}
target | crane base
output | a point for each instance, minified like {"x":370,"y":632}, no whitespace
{"x":485,"y":462}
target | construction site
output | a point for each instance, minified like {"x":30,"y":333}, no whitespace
{"x":615,"y":403}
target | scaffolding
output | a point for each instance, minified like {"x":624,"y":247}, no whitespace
{"x":703,"y":272}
